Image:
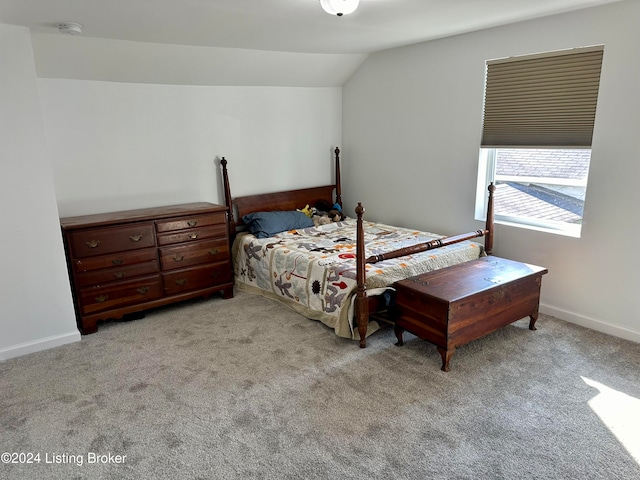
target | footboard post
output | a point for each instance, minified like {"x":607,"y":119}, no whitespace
{"x":338,"y":187}
{"x":361,"y":306}
{"x":488,"y":239}
{"x":227,"y":198}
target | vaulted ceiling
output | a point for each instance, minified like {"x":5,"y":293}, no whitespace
{"x":279,"y":25}
{"x":291,"y":43}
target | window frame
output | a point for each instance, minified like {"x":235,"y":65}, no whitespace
{"x":541,"y":100}
{"x":487,"y":175}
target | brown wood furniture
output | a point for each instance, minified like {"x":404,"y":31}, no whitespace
{"x":125,"y":262}
{"x":293,"y":199}
{"x":458,"y":304}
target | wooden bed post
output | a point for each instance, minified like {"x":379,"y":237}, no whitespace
{"x":338,"y":188}
{"x":488,"y":239}
{"x":361,"y":306}
{"x":227,"y":198}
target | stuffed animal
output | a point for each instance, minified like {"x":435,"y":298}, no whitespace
{"x":323,"y":206}
{"x":333,"y":212}
{"x":321,"y":220}
{"x":308,"y":211}
{"x":336,"y":213}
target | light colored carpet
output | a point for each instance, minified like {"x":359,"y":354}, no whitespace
{"x":245,"y":388}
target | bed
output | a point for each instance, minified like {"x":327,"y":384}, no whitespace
{"x":340,"y":273}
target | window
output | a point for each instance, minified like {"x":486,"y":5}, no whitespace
{"x":539,"y":113}
{"x":543,"y":188}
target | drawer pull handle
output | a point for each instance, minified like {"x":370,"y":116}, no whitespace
{"x":135,"y":238}
{"x":118,"y":274}
{"x":143,"y":290}
{"x":102,"y":298}
{"x":192,"y":223}
{"x":214,"y":251}
{"x":193,"y":236}
{"x":181,"y":281}
{"x":178,"y":258}
{"x":117,"y":261}
{"x":92,"y":243}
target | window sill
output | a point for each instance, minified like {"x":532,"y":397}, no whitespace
{"x":566,"y":230}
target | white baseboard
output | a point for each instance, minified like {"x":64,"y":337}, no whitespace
{"x":38,"y":345}
{"x":591,"y":323}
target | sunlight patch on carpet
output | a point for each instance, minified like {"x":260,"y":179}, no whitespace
{"x":620,"y":413}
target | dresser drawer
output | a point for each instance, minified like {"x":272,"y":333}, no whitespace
{"x":122,"y":259}
{"x":117,"y":261}
{"x":140,"y":290}
{"x":192,"y":221}
{"x":100,"y":241}
{"x":195,"y":253}
{"x":196,"y":278}
{"x":115,"y":274}
{"x":216,"y":231}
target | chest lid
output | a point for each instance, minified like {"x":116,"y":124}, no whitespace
{"x":468,"y":278}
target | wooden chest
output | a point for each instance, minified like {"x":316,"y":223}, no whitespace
{"x":458,"y":304}
{"x":125,"y":262}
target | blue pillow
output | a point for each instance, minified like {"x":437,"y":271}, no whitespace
{"x":267,"y":224}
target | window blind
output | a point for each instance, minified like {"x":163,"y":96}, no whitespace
{"x":543,"y":100}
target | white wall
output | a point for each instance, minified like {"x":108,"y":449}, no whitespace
{"x":412,"y":128}
{"x":78,"y":146}
{"x":116,"y":146}
{"x":37,"y":309}
{"x":86,"y":58}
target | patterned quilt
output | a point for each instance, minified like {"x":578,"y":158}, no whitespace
{"x":313,"y":270}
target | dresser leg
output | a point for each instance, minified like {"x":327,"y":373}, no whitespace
{"x":88,"y":326}
{"x":532,"y":321}
{"x":227,"y":293}
{"x":446,"y":356}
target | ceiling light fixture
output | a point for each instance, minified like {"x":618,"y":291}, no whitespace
{"x":70,"y":28}
{"x":339,"y":7}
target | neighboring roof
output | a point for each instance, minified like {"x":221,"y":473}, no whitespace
{"x":534,"y":201}
{"x":547,"y":163}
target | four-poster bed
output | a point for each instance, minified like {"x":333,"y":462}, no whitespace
{"x":338,"y":272}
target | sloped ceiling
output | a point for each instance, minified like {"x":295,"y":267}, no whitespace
{"x":258,"y":42}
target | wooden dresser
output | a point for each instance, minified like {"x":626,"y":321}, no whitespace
{"x":126,"y":262}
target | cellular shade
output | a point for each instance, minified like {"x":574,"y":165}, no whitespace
{"x":542,"y":100}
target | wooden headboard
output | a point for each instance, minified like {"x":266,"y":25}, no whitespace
{"x":284,"y":200}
